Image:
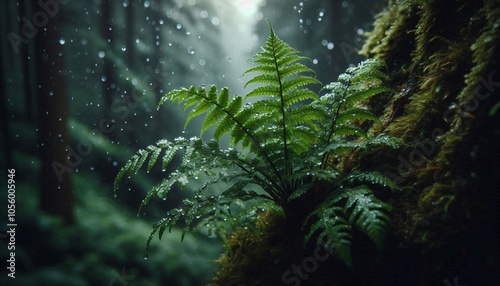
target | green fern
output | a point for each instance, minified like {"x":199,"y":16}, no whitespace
{"x":281,"y":146}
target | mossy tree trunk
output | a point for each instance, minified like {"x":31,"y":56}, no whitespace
{"x":443,"y":59}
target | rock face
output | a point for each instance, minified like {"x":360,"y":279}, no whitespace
{"x":443,"y":59}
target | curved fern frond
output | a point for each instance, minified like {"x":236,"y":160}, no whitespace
{"x":153,"y":152}
{"x":371,"y":177}
{"x":368,"y":214}
{"x":333,"y":231}
{"x":356,"y":97}
{"x":344,"y":210}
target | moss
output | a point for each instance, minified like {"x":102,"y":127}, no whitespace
{"x":442,"y":114}
{"x":249,"y":252}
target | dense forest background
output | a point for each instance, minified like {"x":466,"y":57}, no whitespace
{"x":79,"y":85}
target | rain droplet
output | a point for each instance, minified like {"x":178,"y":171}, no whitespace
{"x":62,"y":41}
{"x":101,"y":54}
{"x":124,"y":48}
{"x":145,"y":256}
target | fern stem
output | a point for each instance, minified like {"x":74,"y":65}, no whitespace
{"x":332,"y":126}
{"x":270,"y":190}
{"x":259,"y":179}
{"x":283,"y":112}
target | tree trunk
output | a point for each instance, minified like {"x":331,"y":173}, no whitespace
{"x":56,"y":196}
{"x":25,"y":59}
{"x":3,"y":97}
{"x":107,"y":35}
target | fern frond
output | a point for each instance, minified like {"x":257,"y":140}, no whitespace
{"x":346,"y":129}
{"x":267,"y":90}
{"x":333,"y":231}
{"x":368,"y":214}
{"x":344,"y":209}
{"x":299,"y":95}
{"x":337,"y":148}
{"x":386,"y":140}
{"x":369,"y":70}
{"x":296,"y":82}
{"x":137,"y":161}
{"x":356,"y":97}
{"x":373,"y":178}
{"x":280,"y":83}
{"x":356,"y":114}
{"x":281,"y":141}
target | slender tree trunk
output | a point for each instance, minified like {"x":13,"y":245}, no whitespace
{"x":25,"y":59}
{"x":129,"y":44}
{"x":107,"y":35}
{"x":56,"y":194}
{"x":4,"y":110}
{"x":5,"y":124}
